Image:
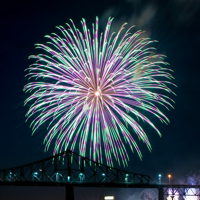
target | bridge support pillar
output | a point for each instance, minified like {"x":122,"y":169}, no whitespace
{"x":160,"y":194}
{"x":69,"y":193}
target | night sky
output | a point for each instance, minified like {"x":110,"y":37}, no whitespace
{"x":175,"y":24}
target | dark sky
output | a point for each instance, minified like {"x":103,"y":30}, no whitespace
{"x":175,"y":24}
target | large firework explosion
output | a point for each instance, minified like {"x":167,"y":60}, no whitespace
{"x":94,"y":90}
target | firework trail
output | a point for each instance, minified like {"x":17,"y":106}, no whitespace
{"x":92,"y":89}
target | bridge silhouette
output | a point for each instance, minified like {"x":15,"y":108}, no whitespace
{"x":69,"y":170}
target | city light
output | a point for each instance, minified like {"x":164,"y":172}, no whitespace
{"x":169,"y":176}
{"x":81,"y":176}
{"x":108,"y":197}
{"x":126,"y":177}
{"x":57,"y":176}
{"x":159,"y":177}
{"x":68,"y":178}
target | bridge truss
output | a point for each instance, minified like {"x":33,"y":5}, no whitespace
{"x":69,"y":168}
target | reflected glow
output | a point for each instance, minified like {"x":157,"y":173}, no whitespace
{"x":190,"y":192}
{"x":171,"y":193}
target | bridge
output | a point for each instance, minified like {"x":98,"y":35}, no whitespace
{"x":71,"y":170}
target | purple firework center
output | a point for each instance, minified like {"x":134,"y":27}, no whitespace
{"x":97,"y":93}
{"x":95,"y":89}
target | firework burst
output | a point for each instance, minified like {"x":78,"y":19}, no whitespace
{"x":92,"y":89}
